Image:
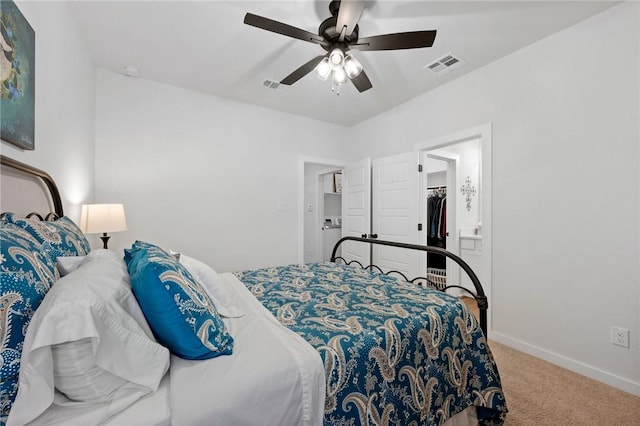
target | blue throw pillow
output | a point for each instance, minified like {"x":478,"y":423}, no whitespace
{"x":26,"y":274}
{"x":179,"y":311}
{"x":59,"y":238}
{"x":138,"y":245}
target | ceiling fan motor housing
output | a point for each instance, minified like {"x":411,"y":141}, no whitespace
{"x":328,"y":31}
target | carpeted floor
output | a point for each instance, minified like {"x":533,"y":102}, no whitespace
{"x":542,"y":394}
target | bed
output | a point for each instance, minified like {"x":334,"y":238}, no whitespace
{"x":155,"y":337}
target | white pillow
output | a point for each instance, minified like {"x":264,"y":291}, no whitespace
{"x":68,"y":264}
{"x":87,"y":352}
{"x":213,"y":285}
{"x":77,"y":375}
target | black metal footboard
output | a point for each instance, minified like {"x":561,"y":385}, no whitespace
{"x":479,"y":296}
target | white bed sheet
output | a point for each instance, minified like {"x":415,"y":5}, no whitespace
{"x":150,"y":410}
{"x":273,"y":377}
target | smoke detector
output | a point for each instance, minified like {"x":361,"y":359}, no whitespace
{"x":131,"y":71}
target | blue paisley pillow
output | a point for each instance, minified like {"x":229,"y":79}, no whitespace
{"x":179,"y":311}
{"x":26,"y":274}
{"x":59,"y":238}
{"x":138,"y":245}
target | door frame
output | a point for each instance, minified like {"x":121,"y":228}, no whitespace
{"x":319,"y":215}
{"x":484,"y":134}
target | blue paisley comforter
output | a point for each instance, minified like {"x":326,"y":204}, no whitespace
{"x":394,"y":353}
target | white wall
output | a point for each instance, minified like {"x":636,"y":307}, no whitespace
{"x":65,"y":101}
{"x":214,"y":178}
{"x":565,"y":241}
{"x":468,"y":153}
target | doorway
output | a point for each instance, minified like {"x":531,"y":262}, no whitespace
{"x":441,"y":168}
{"x":319,"y":201}
{"x":330,"y":212}
{"x":471,"y":236}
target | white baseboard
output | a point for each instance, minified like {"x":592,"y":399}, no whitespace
{"x":568,"y":363}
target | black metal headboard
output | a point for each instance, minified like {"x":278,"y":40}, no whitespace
{"x":479,"y":296}
{"x":44,"y":176}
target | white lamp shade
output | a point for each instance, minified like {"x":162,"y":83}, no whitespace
{"x":339,"y":76}
{"x":352,"y":66}
{"x":336,"y":59}
{"x":102,"y":218}
{"x":323,"y":69}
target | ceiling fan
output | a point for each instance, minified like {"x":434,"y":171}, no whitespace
{"x":337,"y":35}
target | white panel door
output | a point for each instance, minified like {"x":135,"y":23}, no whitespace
{"x":356,"y":210}
{"x":395,"y":212}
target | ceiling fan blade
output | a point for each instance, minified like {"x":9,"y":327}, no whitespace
{"x":302,"y":71}
{"x":362,"y":82}
{"x":280,"y":28}
{"x":348,"y":16}
{"x":396,"y":41}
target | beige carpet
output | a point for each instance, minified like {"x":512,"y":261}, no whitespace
{"x":540,"y":393}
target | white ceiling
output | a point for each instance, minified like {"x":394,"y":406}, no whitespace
{"x":204,"y":46}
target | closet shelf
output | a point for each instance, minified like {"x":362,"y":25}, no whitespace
{"x":471,"y":237}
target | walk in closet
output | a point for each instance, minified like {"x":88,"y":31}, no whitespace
{"x":437,"y":232}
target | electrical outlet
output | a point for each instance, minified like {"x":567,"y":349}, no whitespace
{"x":619,"y":336}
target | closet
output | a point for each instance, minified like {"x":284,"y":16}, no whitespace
{"x":436,"y":224}
{"x":395,"y":199}
{"x":381,"y":200}
{"x":436,"y":228}
{"x":411,"y":198}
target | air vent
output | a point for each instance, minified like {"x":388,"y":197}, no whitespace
{"x":273,"y":85}
{"x":445,"y":64}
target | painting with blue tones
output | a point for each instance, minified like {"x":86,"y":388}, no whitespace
{"x":17,"y":77}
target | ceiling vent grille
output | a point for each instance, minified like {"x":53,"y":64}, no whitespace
{"x":273,"y":85}
{"x":445,"y":64}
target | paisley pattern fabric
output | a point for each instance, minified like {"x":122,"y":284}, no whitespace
{"x":180,"y":312}
{"x":26,"y":274}
{"x":139,"y":245}
{"x":394,"y":353}
{"x":59,"y":238}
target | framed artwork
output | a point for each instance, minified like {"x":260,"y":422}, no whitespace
{"x":337,"y":182}
{"x":17,"y":77}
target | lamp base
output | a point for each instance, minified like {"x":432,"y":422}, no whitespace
{"x":104,"y":239}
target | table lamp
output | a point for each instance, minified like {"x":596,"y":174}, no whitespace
{"x":102,"y":218}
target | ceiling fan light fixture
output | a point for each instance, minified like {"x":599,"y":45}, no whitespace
{"x":336,"y":58}
{"x":339,"y":76}
{"x":352,"y":66}
{"x":337,"y":35}
{"x":323,"y":69}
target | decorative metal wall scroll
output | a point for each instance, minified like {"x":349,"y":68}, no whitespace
{"x":468,"y":191}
